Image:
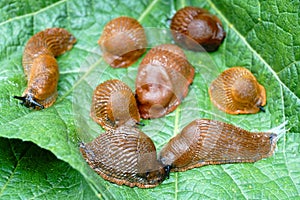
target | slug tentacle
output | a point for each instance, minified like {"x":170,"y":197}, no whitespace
{"x":41,"y":68}
{"x":140,"y":123}
{"x":261,"y":108}
{"x":168,"y":170}
{"x":28,"y":101}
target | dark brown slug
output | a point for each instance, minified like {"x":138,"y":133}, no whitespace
{"x":196,"y":29}
{"x":114,"y":105}
{"x":164,"y":76}
{"x":41,"y":68}
{"x":236,"y":91}
{"x":125,"y":156}
{"x":207,"y":142}
{"x":122,"y":42}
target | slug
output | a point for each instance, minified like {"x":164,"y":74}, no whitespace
{"x":162,"y":82}
{"x":196,"y":29}
{"x":122,"y":42}
{"x":236,"y":91}
{"x":207,"y":142}
{"x":41,"y":68}
{"x":125,"y":156}
{"x":113,"y":105}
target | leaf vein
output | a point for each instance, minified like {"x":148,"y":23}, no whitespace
{"x":33,"y":13}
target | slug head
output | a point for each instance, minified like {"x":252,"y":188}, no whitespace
{"x":155,"y":176}
{"x":41,"y":91}
{"x":29,"y":101}
{"x":149,"y":169}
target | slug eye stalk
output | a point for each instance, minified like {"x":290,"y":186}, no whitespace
{"x":29,"y":102}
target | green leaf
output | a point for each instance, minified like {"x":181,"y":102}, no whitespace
{"x":262,"y":36}
{"x":29,"y":172}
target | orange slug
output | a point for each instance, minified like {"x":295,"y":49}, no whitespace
{"x":125,"y":156}
{"x":122,"y":42}
{"x":114,"y":104}
{"x":196,"y":29}
{"x":41,"y":68}
{"x":163,"y":79}
{"x":236,"y":91}
{"x":209,"y":142}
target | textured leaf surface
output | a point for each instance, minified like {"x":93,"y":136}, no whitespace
{"x":261,"y":35}
{"x":29,"y":172}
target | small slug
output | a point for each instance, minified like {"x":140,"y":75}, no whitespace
{"x":196,"y":29}
{"x":164,"y":76}
{"x":41,"y":68}
{"x":114,"y":104}
{"x":236,"y":91}
{"x":125,"y":156}
{"x":206,"y":142}
{"x":122,"y":42}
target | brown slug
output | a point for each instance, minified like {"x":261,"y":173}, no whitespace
{"x":41,"y":68}
{"x":125,"y":156}
{"x":207,"y":142}
{"x":114,"y":104}
{"x":162,"y":82}
{"x":236,"y":91}
{"x":196,"y":29}
{"x":122,"y":42}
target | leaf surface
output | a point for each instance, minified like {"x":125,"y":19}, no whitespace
{"x":261,"y":36}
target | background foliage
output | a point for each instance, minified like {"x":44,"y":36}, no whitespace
{"x":39,"y":149}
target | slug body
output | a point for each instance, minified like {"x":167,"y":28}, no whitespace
{"x":41,"y":68}
{"x":205,"y":142}
{"x":236,"y":91}
{"x":164,"y":76}
{"x":125,"y":156}
{"x":122,"y":42}
{"x":113,"y":105}
{"x":196,"y":29}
